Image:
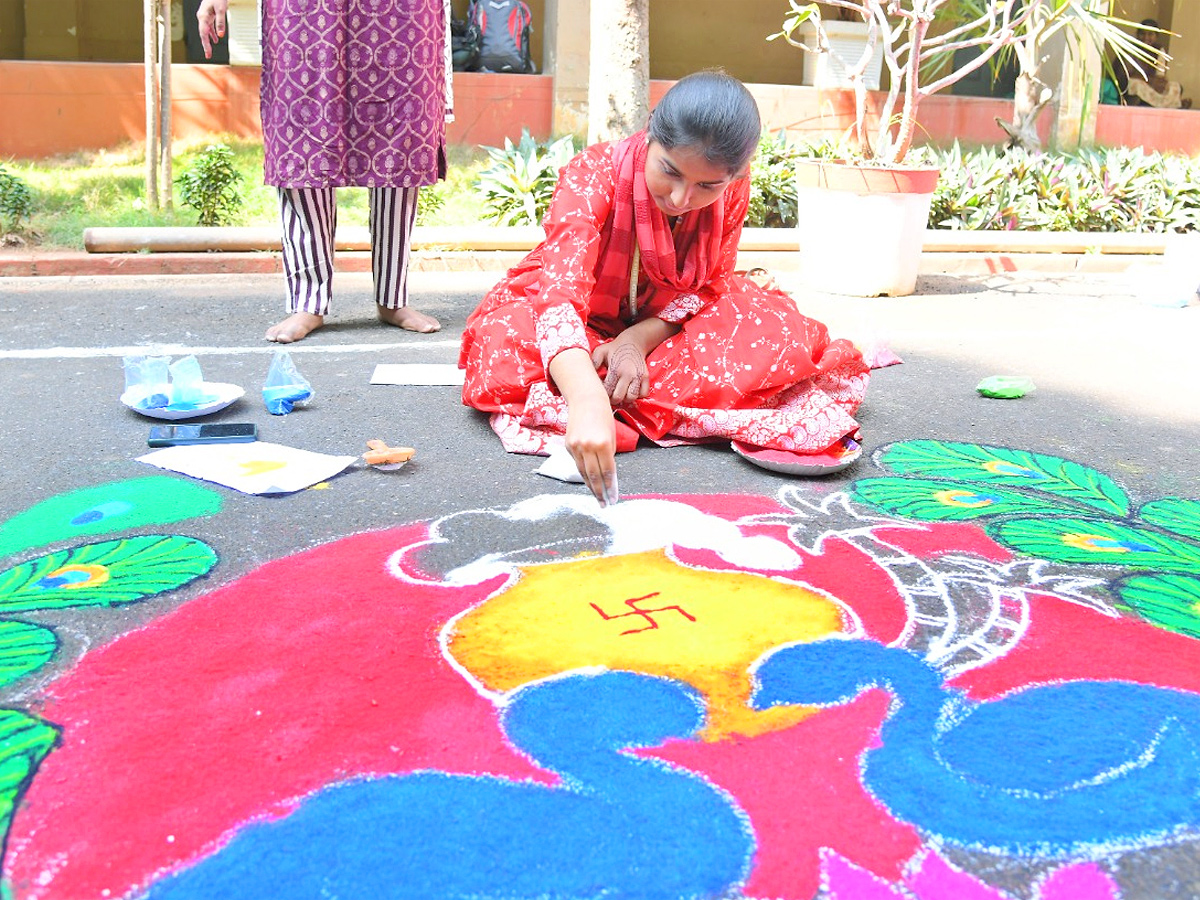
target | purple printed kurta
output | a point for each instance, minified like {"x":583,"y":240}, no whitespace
{"x":354,"y":92}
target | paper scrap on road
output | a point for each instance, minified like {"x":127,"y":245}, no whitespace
{"x":253,"y":468}
{"x":560,"y":465}
{"x":417,"y":373}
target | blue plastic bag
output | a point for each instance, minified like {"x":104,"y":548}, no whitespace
{"x":285,"y":387}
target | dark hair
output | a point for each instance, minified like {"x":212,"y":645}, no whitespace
{"x":712,"y":111}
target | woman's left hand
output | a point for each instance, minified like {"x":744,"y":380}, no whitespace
{"x":628,"y":378}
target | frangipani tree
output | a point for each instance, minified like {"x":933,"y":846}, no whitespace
{"x":1075,"y":23}
{"x":901,"y":29}
{"x":921,"y":63}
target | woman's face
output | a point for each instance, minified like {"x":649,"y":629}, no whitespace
{"x":682,"y":179}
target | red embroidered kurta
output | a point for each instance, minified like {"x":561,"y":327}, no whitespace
{"x":746,"y":365}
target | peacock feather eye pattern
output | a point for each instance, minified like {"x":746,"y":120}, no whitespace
{"x":108,"y":573}
{"x":1055,"y":509}
{"x":107,"y":508}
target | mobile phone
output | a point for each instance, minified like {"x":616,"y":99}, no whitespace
{"x":215,"y":433}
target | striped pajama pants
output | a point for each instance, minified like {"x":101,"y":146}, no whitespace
{"x":309,"y":217}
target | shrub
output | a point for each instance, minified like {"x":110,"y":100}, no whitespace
{"x":210,"y":185}
{"x":773,"y":183}
{"x":16,"y":201}
{"x":1117,"y":190}
{"x":429,"y":201}
{"x":517,"y":186}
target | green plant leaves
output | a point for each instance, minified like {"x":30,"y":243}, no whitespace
{"x":518,"y":185}
{"x":1094,"y":190}
{"x":1074,"y":539}
{"x":16,"y":201}
{"x":105,"y":574}
{"x":211,"y":186}
{"x":976,"y":464}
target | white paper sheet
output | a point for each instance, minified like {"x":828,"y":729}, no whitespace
{"x":257,"y":467}
{"x":417,"y":373}
{"x":560,"y":465}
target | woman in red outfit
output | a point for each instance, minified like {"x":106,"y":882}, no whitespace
{"x":628,"y":319}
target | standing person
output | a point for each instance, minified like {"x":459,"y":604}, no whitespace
{"x":353,"y":94}
{"x":628,"y":320}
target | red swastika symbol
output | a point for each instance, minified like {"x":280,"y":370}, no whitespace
{"x":635,"y":610}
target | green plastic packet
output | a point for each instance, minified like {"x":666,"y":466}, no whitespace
{"x":1005,"y":387}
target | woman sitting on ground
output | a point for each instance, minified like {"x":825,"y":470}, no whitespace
{"x":628,"y":320}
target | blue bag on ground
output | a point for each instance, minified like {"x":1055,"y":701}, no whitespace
{"x":285,"y":387}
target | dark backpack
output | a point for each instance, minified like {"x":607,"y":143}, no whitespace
{"x":505,"y":26}
{"x":466,"y":43}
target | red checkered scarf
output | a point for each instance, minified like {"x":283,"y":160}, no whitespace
{"x":679,"y":263}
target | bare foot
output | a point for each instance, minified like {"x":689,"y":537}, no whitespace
{"x":409,"y":319}
{"x":294,"y":328}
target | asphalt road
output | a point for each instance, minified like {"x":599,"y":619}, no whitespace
{"x":1118,"y":387}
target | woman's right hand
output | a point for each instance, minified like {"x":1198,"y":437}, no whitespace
{"x":211,"y":16}
{"x":591,"y":430}
{"x":592,"y":443}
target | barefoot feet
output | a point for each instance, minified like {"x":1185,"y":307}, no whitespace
{"x":294,"y":327}
{"x":409,"y":319}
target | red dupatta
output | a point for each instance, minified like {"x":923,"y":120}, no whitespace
{"x":681,"y":262}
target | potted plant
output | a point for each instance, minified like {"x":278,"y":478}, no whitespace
{"x":869,"y":190}
{"x":863,"y":216}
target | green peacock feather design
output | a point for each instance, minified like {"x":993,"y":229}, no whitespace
{"x":105,"y":509}
{"x":24,"y":743}
{"x":1055,"y":509}
{"x":24,"y":648}
{"x":100,"y":575}
{"x":105,"y":574}
{"x":977,"y":464}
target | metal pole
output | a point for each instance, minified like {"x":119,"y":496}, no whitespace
{"x":151,"y":61}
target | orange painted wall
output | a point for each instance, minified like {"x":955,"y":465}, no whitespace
{"x":60,"y":107}
{"x":65,"y":106}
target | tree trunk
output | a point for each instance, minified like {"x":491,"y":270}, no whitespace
{"x":150,"y":14}
{"x":619,"y":76}
{"x":1030,"y":98}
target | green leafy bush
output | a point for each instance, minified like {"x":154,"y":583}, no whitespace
{"x":211,"y":185}
{"x":16,"y":201}
{"x":517,"y":186}
{"x":1116,"y":190}
{"x":773,"y":183}
{"x":429,"y":201}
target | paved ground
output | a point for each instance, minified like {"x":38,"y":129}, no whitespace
{"x":1118,"y":387}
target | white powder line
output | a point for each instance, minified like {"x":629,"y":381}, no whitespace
{"x":182,"y":350}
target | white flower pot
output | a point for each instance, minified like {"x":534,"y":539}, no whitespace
{"x":861,"y":228}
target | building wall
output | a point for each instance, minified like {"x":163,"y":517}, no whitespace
{"x":686,"y":35}
{"x":90,"y":106}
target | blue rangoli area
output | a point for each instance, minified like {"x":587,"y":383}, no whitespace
{"x":1048,"y":771}
{"x":619,"y":826}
